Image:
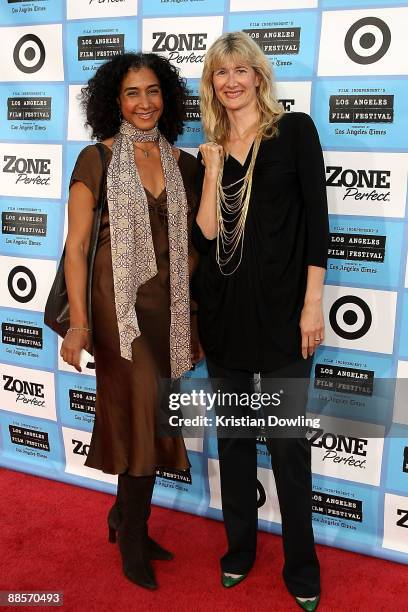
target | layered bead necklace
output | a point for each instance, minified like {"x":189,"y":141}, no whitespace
{"x":232,"y":209}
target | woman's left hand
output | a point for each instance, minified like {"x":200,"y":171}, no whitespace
{"x":311,"y":327}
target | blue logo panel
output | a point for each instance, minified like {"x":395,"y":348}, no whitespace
{"x":353,"y":386}
{"x":30,"y":441}
{"x":193,"y":132}
{"x":356,"y":115}
{"x":26,"y":12}
{"x":76,"y":401}
{"x":33,"y":113}
{"x":89,"y":44}
{"x":175,"y":491}
{"x":30,"y":229}
{"x":403,"y":347}
{"x":25,"y":340}
{"x":287,"y":39}
{"x":344,"y":512}
{"x":365,"y":253}
{"x":160,"y":8}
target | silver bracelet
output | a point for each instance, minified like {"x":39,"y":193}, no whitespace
{"x":70,"y":329}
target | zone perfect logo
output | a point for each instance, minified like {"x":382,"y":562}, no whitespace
{"x":346,"y":449}
{"x":370,"y":184}
{"x":31,"y":170}
{"x":25,"y":283}
{"x":91,"y":9}
{"x":184,"y":42}
{"x":32,"y":53}
{"x":363,"y":43}
{"x":396,"y":522}
{"x":76,"y":444}
{"x":29,"y":392}
{"x":361,"y":319}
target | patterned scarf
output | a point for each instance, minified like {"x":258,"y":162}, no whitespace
{"x":133,"y":256}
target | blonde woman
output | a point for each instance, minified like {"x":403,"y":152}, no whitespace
{"x":262,"y":232}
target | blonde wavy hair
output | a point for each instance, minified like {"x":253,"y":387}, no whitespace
{"x":237,"y":47}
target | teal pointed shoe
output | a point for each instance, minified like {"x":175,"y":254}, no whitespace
{"x":229,"y":581}
{"x":310,"y":604}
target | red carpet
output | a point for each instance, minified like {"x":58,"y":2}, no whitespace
{"x":54,"y":538}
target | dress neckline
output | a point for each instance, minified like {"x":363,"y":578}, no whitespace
{"x":145,"y":188}
{"x":230,"y":156}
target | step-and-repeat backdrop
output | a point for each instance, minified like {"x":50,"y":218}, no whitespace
{"x":345,"y":62}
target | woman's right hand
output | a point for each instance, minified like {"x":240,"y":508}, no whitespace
{"x":72,"y":345}
{"x":212,"y":155}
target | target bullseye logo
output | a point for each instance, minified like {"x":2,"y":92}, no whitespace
{"x":22,"y":284}
{"x":261,"y":494}
{"x":367,"y":40}
{"x":350,"y":317}
{"x":29,"y":54}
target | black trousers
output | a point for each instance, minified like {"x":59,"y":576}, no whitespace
{"x":291,"y":465}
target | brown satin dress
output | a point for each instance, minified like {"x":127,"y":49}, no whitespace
{"x":124,"y":436}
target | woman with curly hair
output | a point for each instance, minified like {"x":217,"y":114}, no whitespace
{"x":140,"y":290}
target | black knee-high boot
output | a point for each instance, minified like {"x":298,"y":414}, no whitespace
{"x":136,"y":495}
{"x":156,"y":551}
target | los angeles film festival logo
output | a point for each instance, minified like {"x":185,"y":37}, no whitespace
{"x":35,"y":108}
{"x":365,"y":108}
{"x":343,"y":379}
{"x":357,"y":247}
{"x":100,"y":46}
{"x":34,"y":441}
{"x":17,"y":334}
{"x":337,"y":506}
{"x":277,"y":41}
{"x":24,"y":224}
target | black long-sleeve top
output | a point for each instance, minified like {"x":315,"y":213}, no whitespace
{"x":250,"y":320}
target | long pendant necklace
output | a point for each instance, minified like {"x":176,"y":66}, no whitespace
{"x":145,"y":151}
{"x":232,"y":209}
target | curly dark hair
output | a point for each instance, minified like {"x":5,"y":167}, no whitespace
{"x":99,"y":97}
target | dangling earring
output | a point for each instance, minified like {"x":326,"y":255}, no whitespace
{"x":120,"y":115}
